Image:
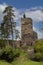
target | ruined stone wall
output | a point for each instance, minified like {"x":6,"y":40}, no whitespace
{"x":26,"y":25}
{"x":28,"y":35}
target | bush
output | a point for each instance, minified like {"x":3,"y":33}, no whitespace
{"x":2,"y":44}
{"x":16,"y":53}
{"x":38,"y":56}
{"x":38,"y":46}
{"x":9,"y":54}
{"x":38,"y":51}
{"x":1,"y":52}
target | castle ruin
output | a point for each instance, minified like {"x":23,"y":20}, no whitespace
{"x":28,"y":36}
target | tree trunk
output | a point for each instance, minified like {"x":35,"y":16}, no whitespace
{"x":12,"y":39}
{"x":12,"y":36}
{"x":7,"y":44}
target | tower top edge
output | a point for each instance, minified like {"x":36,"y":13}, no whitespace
{"x":26,"y":19}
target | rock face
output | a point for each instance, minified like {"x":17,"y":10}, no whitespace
{"x":28,"y":35}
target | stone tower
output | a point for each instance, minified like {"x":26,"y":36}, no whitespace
{"x":28,"y":35}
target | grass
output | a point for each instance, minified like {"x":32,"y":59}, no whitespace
{"x":22,"y":60}
{"x":27,"y":63}
{"x":19,"y":62}
{"x":4,"y":63}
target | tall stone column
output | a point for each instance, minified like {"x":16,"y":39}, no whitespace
{"x":27,"y":30}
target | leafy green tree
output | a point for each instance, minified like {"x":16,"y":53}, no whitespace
{"x":17,"y":34}
{"x":9,"y":23}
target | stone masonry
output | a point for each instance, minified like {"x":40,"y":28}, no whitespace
{"x":28,"y":36}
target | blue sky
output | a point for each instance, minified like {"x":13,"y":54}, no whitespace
{"x":23,"y":3}
{"x":32,"y":9}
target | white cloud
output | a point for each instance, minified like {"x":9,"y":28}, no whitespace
{"x":40,"y":33}
{"x":19,"y":29}
{"x":2,"y":7}
{"x":35,"y":13}
{"x":16,"y":12}
{"x":37,"y":16}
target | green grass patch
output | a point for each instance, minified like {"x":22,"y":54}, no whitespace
{"x":4,"y":63}
{"x":22,"y":60}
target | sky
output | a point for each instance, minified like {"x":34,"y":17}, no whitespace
{"x":31,"y":8}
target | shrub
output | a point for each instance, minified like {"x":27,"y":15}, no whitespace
{"x":2,"y":44}
{"x":38,"y":46}
{"x":38,"y":56}
{"x":38,"y":51}
{"x":1,"y":52}
{"x":16,"y":53}
{"x":9,"y":54}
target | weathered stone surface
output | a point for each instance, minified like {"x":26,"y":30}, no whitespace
{"x":28,"y":35}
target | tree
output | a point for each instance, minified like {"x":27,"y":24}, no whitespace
{"x":8,"y":21}
{"x":17,"y":34}
{"x":8,"y":25}
{"x":4,"y":32}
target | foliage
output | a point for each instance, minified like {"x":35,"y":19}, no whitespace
{"x":23,"y":60}
{"x":9,"y":54}
{"x":38,"y":51}
{"x":2,"y":44}
{"x":8,"y":25}
{"x":37,"y":54}
{"x":38,"y":46}
{"x":16,"y":52}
